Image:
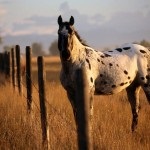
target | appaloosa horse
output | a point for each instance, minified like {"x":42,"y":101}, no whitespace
{"x":108,"y":72}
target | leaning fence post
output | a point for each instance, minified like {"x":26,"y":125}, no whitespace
{"x":28,"y":78}
{"x":42,"y":98}
{"x":18,"y":63}
{"x":13,"y":68}
{"x":83,"y":120}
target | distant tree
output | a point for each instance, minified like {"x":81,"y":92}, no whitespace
{"x":37,"y":49}
{"x":145,"y":43}
{"x":7,"y":48}
{"x":53,"y":49}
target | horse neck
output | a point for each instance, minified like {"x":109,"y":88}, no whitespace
{"x":77,"y":49}
{"x":76,"y":52}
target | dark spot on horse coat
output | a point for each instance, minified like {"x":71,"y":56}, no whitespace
{"x":121,"y":84}
{"x":128,"y":77}
{"x":102,"y":56}
{"x":125,"y":72}
{"x":147,"y":77}
{"x":89,"y":66}
{"x":117,"y":65}
{"x":88,"y":51}
{"x":87,"y":60}
{"x":126,"y":48}
{"x":148,"y":69}
{"x":110,"y":64}
{"x":98,"y":60}
{"x":101,"y":75}
{"x":142,"y":78}
{"x":91,"y":79}
{"x":110,"y":51}
{"x":102,"y":62}
{"x":142,"y":51}
{"x":88,"y":63}
{"x":119,"y":49}
{"x":113,"y":86}
{"x":107,"y":55}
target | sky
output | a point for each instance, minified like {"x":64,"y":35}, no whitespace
{"x":102,"y":23}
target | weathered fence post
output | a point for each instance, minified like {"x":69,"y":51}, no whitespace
{"x":2,"y":62}
{"x":7,"y":66}
{"x":83,"y":118}
{"x":1,"y":55}
{"x":28,"y":79}
{"x":13,"y":72}
{"x":42,"y":97}
{"x":18,"y":63}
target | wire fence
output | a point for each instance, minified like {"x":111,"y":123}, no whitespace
{"x":12,"y":69}
{"x":6,"y":69}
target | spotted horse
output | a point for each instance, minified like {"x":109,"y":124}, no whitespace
{"x":108,"y":72}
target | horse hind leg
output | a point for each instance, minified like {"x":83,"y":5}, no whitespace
{"x":146,"y":89}
{"x":133,"y":97}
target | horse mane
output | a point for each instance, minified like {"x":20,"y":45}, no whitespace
{"x":83,"y":42}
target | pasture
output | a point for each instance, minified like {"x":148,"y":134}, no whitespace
{"x":112,"y":118}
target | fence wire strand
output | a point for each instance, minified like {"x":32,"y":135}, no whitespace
{"x":35,"y":100}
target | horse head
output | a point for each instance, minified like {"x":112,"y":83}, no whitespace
{"x":65,"y":33}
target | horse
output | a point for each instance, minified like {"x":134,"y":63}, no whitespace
{"x":108,"y":72}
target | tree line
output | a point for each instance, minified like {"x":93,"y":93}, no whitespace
{"x":37,"y":48}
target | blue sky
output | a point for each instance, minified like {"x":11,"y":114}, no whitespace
{"x":102,"y":23}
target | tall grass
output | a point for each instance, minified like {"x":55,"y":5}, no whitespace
{"x":111,"y":122}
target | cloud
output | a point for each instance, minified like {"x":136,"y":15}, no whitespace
{"x":82,"y":21}
{"x":121,"y":27}
{"x":64,"y":7}
{"x":128,"y":21}
{"x":40,"y":25}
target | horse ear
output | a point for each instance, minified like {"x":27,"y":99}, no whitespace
{"x":59,"y":20}
{"x":71,"y":20}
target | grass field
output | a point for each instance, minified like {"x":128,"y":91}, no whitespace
{"x":112,"y":118}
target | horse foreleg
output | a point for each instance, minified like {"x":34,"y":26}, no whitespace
{"x":72,"y":99}
{"x":91,"y":113}
{"x":133,"y":97}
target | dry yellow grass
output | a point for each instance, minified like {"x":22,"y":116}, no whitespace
{"x":112,"y":119}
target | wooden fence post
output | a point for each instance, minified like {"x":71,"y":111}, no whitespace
{"x":13,"y":72}
{"x":5,"y":63}
{"x":83,"y":118}
{"x":42,"y":98}
{"x":28,"y":78}
{"x":18,"y":63}
{"x":2,"y":62}
{"x":7,"y":67}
